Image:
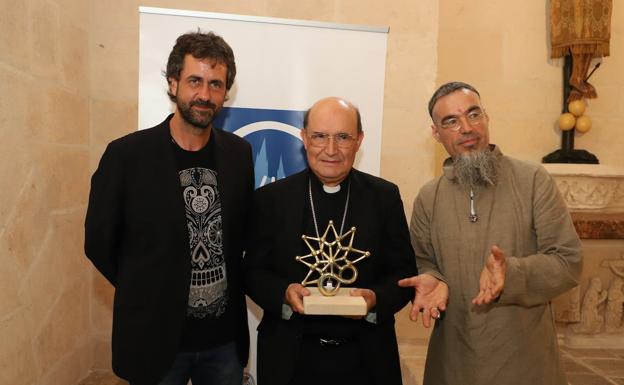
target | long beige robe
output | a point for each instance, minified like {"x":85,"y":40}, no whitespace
{"x":512,"y":341}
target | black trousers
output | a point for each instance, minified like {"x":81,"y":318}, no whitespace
{"x":329,"y":361}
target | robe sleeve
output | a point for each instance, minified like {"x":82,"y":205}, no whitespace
{"x":420,"y":236}
{"x":398,"y":259}
{"x":555,"y":268}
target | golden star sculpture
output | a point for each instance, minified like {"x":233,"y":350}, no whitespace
{"x":331,"y":260}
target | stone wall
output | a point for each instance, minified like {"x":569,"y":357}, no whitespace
{"x":502,"y":47}
{"x":69,"y":79}
{"x":45,"y":282}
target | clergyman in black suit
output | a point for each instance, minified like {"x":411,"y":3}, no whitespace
{"x":165,"y":225}
{"x":299,"y":349}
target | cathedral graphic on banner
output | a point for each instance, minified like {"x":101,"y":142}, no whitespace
{"x":274,"y":136}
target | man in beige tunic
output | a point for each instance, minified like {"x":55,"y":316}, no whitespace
{"x":494,"y":245}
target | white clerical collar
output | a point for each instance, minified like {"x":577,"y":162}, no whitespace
{"x":331,"y":189}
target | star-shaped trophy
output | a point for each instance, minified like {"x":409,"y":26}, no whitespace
{"x":332,"y":264}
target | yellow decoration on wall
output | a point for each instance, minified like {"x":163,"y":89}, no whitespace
{"x":566,"y":121}
{"x":576,"y":107}
{"x":583,"y":123}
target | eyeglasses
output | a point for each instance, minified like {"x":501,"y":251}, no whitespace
{"x":474,"y":117}
{"x":342,"y":139}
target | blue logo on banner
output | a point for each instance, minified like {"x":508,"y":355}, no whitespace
{"x":274,"y":136}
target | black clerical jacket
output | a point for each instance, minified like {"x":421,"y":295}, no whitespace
{"x":376,"y":210}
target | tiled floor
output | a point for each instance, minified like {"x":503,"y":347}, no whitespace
{"x":583,"y":366}
{"x":594,"y":366}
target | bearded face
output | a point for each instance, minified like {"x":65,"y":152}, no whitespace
{"x":198,"y":113}
{"x":200,"y":92}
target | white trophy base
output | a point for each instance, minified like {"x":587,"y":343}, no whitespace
{"x":340,"y":304}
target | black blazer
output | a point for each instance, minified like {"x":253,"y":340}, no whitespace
{"x":136,"y":236}
{"x":377,"y":211}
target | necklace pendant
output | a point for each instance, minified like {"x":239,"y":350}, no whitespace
{"x":473,"y":217}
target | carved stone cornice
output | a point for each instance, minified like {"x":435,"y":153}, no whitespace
{"x":590,"y":188}
{"x":595,"y":196}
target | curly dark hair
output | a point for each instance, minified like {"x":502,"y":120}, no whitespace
{"x":446,"y":89}
{"x":201,"y":46}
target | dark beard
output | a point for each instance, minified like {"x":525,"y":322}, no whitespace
{"x":475,"y":169}
{"x":201,"y":120}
